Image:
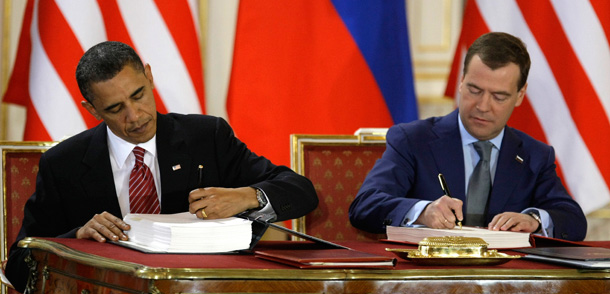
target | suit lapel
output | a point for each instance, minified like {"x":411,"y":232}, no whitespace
{"x":445,"y":152}
{"x":509,"y":171}
{"x":97,"y":179}
{"x":174,"y":161}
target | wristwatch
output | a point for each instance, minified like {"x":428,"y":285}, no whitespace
{"x":262,"y":200}
{"x":536,"y":216}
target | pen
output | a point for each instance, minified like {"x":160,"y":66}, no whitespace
{"x":200,"y":179}
{"x":200,"y":185}
{"x":445,"y":188}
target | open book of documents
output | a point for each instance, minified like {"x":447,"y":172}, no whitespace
{"x":495,"y":239}
{"x":185,"y":233}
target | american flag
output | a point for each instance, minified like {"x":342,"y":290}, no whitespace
{"x":55,"y":34}
{"x":567,"y":102}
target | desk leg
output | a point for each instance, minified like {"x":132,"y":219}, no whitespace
{"x":30,"y":286}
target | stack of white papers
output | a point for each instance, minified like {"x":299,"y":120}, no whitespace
{"x":185,"y":233}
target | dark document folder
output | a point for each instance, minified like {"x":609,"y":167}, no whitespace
{"x":327,"y":258}
{"x":582,"y":257}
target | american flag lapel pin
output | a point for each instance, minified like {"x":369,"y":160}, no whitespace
{"x":176,"y":167}
{"x":519,"y":159}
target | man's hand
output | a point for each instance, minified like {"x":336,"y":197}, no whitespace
{"x":221,"y":202}
{"x":514,"y":221}
{"x":441,"y":213}
{"x":104,"y":226}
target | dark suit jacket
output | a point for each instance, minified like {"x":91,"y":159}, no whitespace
{"x":75,"y":179}
{"x":417,"y":152}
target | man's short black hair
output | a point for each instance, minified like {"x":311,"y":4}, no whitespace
{"x":496,"y":50}
{"x":102,"y":62}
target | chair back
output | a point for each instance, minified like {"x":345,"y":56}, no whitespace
{"x":337,"y":166}
{"x":18,"y":174}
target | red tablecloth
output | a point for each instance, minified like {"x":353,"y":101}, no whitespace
{"x":248,"y":261}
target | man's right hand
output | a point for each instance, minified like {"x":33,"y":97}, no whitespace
{"x":439,"y":214}
{"x":104,"y":226}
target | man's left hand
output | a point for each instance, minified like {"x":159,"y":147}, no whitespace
{"x":214,"y":203}
{"x":514,"y":221}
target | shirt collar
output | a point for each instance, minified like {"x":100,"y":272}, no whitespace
{"x":467,"y":138}
{"x":121,"y":149}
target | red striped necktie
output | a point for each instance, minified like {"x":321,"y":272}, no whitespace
{"x":142,"y":192}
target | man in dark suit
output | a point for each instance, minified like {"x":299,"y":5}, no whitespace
{"x":524,"y":192}
{"x":82,"y":188}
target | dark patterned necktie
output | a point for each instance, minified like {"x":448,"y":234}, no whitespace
{"x":479,"y":186}
{"x":142,"y":192}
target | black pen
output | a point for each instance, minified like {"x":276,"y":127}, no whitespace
{"x":200,"y":179}
{"x":445,"y":188}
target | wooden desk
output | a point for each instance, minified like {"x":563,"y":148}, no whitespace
{"x":82,"y":266}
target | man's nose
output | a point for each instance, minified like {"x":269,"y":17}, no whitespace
{"x":132,"y":113}
{"x":484,"y":103}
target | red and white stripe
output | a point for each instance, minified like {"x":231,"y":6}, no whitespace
{"x":164,"y":33}
{"x":568,"y":96}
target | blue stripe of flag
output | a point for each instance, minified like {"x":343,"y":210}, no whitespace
{"x":379,"y":28}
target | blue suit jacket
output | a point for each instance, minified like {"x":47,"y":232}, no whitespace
{"x":417,"y":152}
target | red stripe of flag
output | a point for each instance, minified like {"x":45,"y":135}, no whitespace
{"x":64,"y":51}
{"x":473,"y":20}
{"x":184,"y":33}
{"x":585,"y":108}
{"x":18,"y":90}
{"x":117,"y":31}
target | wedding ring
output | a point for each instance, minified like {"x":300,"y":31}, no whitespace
{"x":446,"y":220}
{"x":203,"y":213}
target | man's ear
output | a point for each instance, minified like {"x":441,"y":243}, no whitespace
{"x":521,"y":95}
{"x":90,"y":109}
{"x":148,"y":74}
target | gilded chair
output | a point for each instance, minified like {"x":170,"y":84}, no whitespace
{"x":18,"y":174}
{"x":337,"y":165}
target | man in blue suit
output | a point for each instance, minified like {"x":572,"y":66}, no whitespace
{"x":526,"y":194}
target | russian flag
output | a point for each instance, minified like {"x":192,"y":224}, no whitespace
{"x":318,"y":67}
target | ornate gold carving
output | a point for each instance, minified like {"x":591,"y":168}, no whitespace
{"x":30,"y":286}
{"x":153,"y":289}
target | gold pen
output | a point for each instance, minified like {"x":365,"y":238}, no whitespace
{"x":445,"y":188}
